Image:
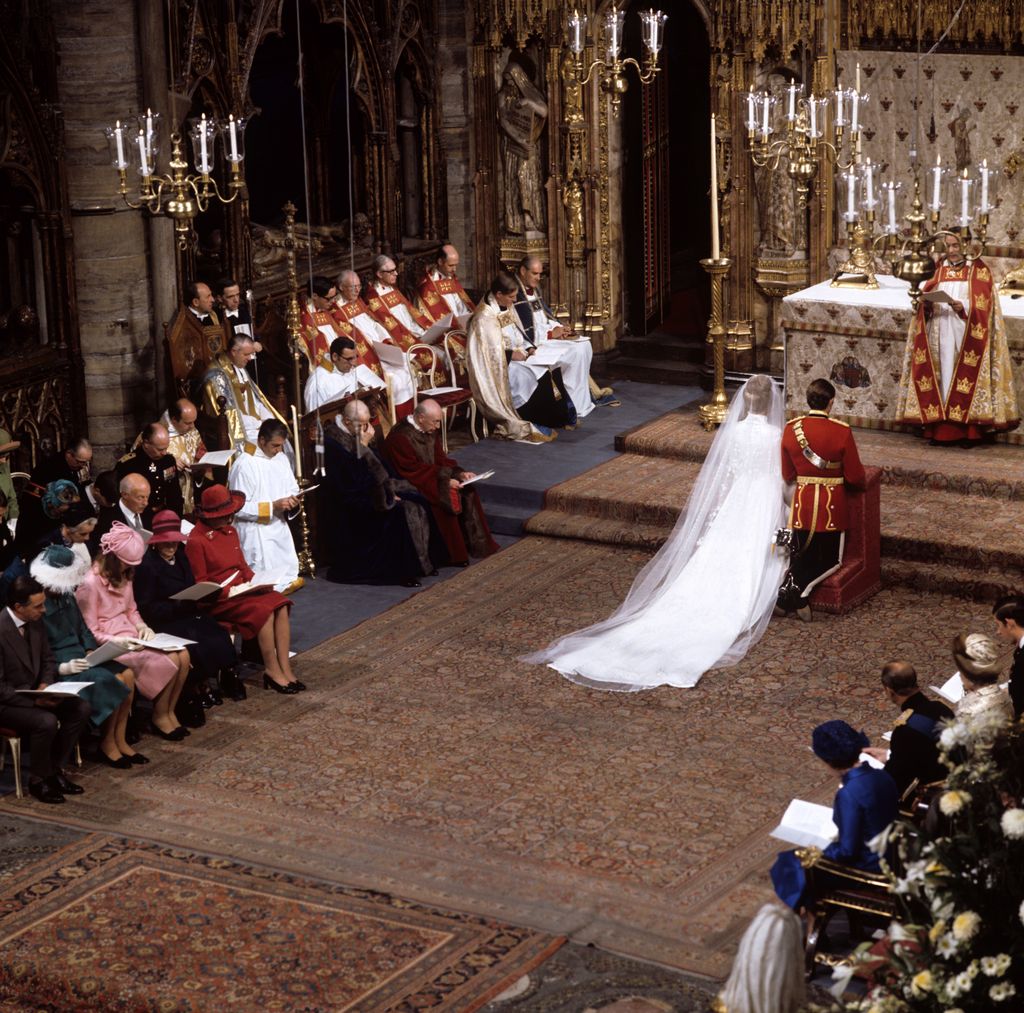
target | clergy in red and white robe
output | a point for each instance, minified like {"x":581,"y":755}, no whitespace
{"x":319,"y":327}
{"x":352,"y":312}
{"x":266,"y":478}
{"x":341,"y":375}
{"x":440,"y":292}
{"x":390,"y":308}
{"x":957,"y":380}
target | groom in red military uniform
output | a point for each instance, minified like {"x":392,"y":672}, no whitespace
{"x":819,"y":454}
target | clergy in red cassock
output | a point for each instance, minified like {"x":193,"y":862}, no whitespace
{"x":440,"y":292}
{"x":957,"y":381}
{"x":414,"y":450}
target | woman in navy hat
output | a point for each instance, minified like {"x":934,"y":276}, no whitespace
{"x":163,"y":572}
{"x":866,"y":803}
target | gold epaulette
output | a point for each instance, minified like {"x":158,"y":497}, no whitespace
{"x":839,"y":422}
{"x":250,"y":448}
{"x":904,"y":717}
{"x":127,"y":457}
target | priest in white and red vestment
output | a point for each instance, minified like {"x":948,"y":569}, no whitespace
{"x":319,"y":327}
{"x":957,"y":377}
{"x":354,"y":319}
{"x":390,"y":308}
{"x":440,"y":292}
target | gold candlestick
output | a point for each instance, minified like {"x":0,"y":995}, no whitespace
{"x":713,"y":413}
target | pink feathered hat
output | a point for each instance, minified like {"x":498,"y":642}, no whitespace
{"x":125,"y":543}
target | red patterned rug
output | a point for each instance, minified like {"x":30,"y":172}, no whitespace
{"x":429,"y":763}
{"x":115,"y":925}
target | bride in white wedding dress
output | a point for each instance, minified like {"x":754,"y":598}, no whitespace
{"x":707,"y":596}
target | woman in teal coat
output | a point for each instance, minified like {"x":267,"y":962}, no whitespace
{"x":60,"y":571}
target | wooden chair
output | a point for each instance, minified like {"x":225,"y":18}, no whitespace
{"x":13,"y":740}
{"x":448,"y":400}
{"x":864,"y":896}
{"x":455,"y":343}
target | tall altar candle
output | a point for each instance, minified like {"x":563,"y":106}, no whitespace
{"x":751,"y":115}
{"x":298,"y":444}
{"x":984,"y":187}
{"x":767,"y":107}
{"x":965,"y":189}
{"x":715,"y":250}
{"x":233,"y":138}
{"x":203,"y":164}
{"x":851,"y":195}
{"x":121,"y":160}
{"x":143,"y":160}
{"x":936,"y":182}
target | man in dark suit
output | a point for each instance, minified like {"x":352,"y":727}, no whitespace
{"x":132,"y":508}
{"x":913,"y":754}
{"x":818,"y":454}
{"x":1009,"y":617}
{"x":26,"y":662}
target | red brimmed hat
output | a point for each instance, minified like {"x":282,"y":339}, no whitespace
{"x":166,"y":528}
{"x":219,"y":501}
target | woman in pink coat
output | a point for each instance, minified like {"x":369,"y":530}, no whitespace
{"x":107,"y":603}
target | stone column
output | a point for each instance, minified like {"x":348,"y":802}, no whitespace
{"x":454,"y":129}
{"x":100,"y":81}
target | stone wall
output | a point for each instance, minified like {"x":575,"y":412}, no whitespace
{"x":100,"y":81}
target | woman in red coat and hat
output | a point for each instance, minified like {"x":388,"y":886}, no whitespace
{"x":215,"y":553}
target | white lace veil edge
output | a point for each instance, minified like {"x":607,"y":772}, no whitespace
{"x":709,"y":491}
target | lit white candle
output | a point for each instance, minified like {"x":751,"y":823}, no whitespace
{"x":984,"y":209}
{"x":855,"y":116}
{"x":858,"y":78}
{"x":233,"y":138}
{"x":119,"y":139}
{"x":149,"y":130}
{"x":840,"y":119}
{"x":143,"y":160}
{"x":792,"y":101}
{"x":767,"y":99}
{"x":812,"y":107}
{"x":751,"y":114}
{"x":936,"y":182}
{"x":965,"y":189}
{"x":892,"y":207}
{"x":851,"y":195}
{"x":715,"y":251}
{"x":203,"y":164}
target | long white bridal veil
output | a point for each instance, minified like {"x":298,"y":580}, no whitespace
{"x":759,"y":395}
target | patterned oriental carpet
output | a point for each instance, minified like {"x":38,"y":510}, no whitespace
{"x":114,"y":925}
{"x":428,"y":763}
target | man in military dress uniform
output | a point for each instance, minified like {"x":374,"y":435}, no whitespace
{"x":913,"y":754}
{"x":152,"y":460}
{"x":820,"y":456}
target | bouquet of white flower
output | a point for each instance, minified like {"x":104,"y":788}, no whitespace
{"x":959,"y":945}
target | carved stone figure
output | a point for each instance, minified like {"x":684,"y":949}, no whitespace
{"x":522,"y":113}
{"x":961,"y":128}
{"x":782,"y":223}
{"x":573,"y":92}
{"x":573,"y":201}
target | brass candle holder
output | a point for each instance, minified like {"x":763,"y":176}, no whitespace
{"x":713,"y":413}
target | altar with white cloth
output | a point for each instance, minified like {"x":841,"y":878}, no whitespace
{"x":855,"y":337}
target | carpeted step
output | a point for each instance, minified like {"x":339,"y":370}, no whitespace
{"x":662,"y":346}
{"x":994,"y":471}
{"x":635,"y":500}
{"x":646,"y":370}
{"x":942,"y":578}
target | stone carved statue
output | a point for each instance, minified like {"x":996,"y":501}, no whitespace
{"x":573,"y":201}
{"x":522,"y":113}
{"x":573,"y":92}
{"x":782,"y":223}
{"x":961,"y":128}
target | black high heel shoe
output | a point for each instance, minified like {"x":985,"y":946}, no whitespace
{"x":176,"y":736}
{"x":136,"y":759}
{"x":289,"y":689}
{"x":300,"y":686}
{"x":121,"y":763}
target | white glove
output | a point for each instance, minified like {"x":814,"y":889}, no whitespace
{"x":145,"y":633}
{"x":73,"y":667}
{"x":125,"y":644}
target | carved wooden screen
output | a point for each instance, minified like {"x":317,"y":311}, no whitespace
{"x":656,"y":197}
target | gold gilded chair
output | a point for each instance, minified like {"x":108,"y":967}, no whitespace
{"x":864,"y":896}
{"x":448,"y":400}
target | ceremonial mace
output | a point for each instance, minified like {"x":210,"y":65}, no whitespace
{"x":293,"y":321}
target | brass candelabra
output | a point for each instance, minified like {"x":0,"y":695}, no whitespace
{"x":713,"y":413}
